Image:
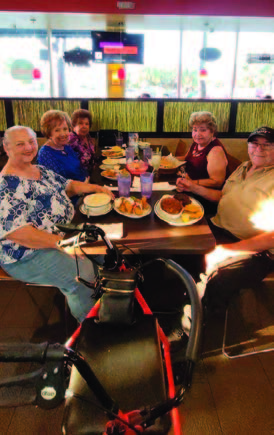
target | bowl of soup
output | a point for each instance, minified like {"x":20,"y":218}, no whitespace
{"x":97,"y":203}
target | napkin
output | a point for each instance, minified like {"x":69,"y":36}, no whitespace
{"x":164,"y":185}
{"x":113,"y":231}
{"x":115,"y":189}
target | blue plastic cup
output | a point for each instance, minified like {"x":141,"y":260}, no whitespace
{"x":124,"y":182}
{"x":146,"y":184}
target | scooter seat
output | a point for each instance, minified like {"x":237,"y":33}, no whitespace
{"x":127,"y":360}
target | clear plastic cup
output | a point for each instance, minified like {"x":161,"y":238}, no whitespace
{"x":124,"y":182}
{"x":130,"y":154}
{"x":147,"y":154}
{"x":146,"y":184}
{"x":119,"y":141}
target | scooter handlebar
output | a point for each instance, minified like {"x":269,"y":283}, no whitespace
{"x":31,"y":352}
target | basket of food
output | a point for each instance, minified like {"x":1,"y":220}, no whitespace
{"x":169,"y":164}
{"x":137,"y":167}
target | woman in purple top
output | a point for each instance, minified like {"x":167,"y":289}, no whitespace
{"x":80,"y":140}
{"x":206,"y":160}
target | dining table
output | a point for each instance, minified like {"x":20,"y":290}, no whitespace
{"x":149,"y":235}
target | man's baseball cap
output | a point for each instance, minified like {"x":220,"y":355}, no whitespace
{"x":266,"y":132}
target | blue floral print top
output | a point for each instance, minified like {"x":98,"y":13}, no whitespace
{"x":41,"y":203}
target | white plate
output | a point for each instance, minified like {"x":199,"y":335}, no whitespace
{"x":106,"y":167}
{"x":133,"y":216}
{"x":89,"y":214}
{"x":178,"y":222}
{"x":118,"y":156}
{"x":110,"y":162}
{"x":106,"y":176}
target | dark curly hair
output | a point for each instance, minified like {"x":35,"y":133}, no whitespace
{"x":80,"y":114}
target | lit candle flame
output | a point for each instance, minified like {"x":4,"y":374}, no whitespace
{"x":263,"y":218}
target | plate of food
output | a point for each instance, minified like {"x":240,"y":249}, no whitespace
{"x":132,"y":207}
{"x":111,"y":174}
{"x":110,"y":163}
{"x":169,"y":164}
{"x":105,"y":167}
{"x":114,"y":152}
{"x":179,"y":210}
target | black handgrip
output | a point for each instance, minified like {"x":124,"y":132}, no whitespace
{"x":30,"y":352}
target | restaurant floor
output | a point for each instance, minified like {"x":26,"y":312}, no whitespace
{"x":226,"y":397}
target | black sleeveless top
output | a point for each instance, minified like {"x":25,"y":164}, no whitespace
{"x":196,"y":160}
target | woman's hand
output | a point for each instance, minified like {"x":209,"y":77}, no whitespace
{"x":71,"y":246}
{"x":185,"y":183}
{"x":106,"y":190}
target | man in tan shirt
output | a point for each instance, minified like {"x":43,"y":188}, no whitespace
{"x":247,"y":257}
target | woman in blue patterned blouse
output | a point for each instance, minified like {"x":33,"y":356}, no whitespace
{"x":33,"y":200}
{"x":57,"y":154}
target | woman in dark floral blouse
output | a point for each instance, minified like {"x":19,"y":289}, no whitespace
{"x":79,"y":138}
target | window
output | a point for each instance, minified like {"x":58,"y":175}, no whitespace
{"x":254,"y":80}
{"x":74,"y":81}
{"x":218,"y":81}
{"x":24,"y":68}
{"x":158,"y":76}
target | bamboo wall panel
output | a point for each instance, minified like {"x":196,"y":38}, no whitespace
{"x":29,"y":112}
{"x":176,"y":114}
{"x":3,"y":122}
{"x":253,"y":115}
{"x":131,"y":116}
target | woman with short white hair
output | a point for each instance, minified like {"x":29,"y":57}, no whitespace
{"x":33,"y":200}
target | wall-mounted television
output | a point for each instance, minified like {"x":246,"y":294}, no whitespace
{"x":117,"y":47}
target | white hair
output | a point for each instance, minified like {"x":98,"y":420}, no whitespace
{"x":9,"y":131}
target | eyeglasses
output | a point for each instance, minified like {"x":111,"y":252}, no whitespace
{"x":264,"y":146}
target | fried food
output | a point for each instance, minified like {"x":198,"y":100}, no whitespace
{"x":183,"y":198}
{"x":110,"y":173}
{"x":113,"y":152}
{"x":171,"y":205}
{"x":167,"y":163}
{"x":124,"y":172}
{"x":133,"y":205}
{"x":192,"y":208}
{"x":191,"y":211}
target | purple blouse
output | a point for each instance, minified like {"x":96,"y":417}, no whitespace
{"x":85,"y":151}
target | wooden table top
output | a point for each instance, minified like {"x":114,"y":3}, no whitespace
{"x":151,"y":235}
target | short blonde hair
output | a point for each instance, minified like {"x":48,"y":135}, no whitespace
{"x":203,"y":118}
{"x":51,"y":119}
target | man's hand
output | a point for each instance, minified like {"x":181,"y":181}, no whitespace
{"x":222,"y":253}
